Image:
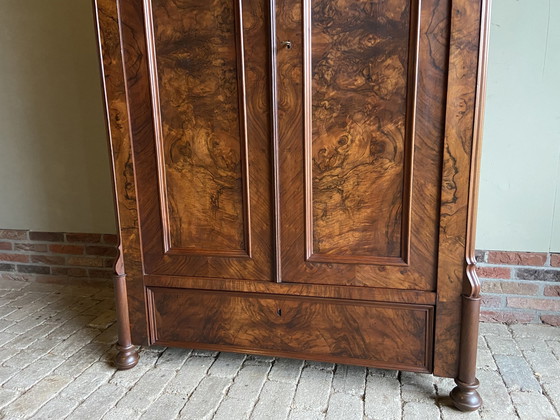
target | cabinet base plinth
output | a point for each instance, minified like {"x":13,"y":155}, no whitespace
{"x":465,"y":396}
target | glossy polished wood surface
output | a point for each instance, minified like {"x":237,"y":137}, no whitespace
{"x":359,"y":153}
{"x":200,"y":85}
{"x":204,"y":200}
{"x":376,"y":334}
{"x":391,"y":153}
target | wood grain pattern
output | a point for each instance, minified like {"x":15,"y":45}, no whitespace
{"x":122,"y":166}
{"x":463,"y":75}
{"x":198,"y":58}
{"x":197,"y":143}
{"x":417,"y":270}
{"x":294,"y":289}
{"x":394,"y":335}
{"x":358,"y":154}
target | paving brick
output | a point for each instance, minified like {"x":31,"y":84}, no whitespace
{"x":298,"y":414}
{"x":23,"y":358}
{"x":532,"y":405}
{"x":28,"y":403}
{"x":36,"y":333}
{"x":81,"y":360}
{"x":516,"y":373}
{"x":33,"y":373}
{"x":313,"y":389}
{"x":98,"y":403}
{"x":349,"y":379}
{"x":6,"y":397}
{"x":383,"y":372}
{"x":147,"y":389}
{"x":227,"y":365}
{"x":173,"y":358}
{"x":56,"y":409}
{"x":234,"y":408}
{"x":286,"y":370}
{"x":420,"y":411}
{"x":103,"y":320}
{"x":345,"y":406}
{"x":536,"y":332}
{"x":274,"y":401}
{"x":7,"y":372}
{"x":552,"y":391}
{"x":544,"y":364}
{"x":249,"y":382}
{"x":417,"y":387}
{"x":206,"y":398}
{"x":170,"y":404}
{"x":503,"y":345}
{"x":127,"y":378}
{"x":188,"y":378}
{"x":253,"y":359}
{"x":87,"y":382}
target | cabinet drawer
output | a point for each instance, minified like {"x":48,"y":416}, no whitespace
{"x":386,"y":335}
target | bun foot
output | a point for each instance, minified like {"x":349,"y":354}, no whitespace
{"x":127,"y":357}
{"x":465,"y":396}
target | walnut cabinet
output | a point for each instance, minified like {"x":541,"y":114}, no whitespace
{"x":298,"y":178}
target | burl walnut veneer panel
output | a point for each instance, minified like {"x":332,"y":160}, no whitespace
{"x":198,"y":84}
{"x":374,"y":334}
{"x":361,"y":154}
{"x":202,"y":138}
{"x":360,"y":150}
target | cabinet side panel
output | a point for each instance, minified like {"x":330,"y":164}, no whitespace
{"x":122,"y":162}
{"x":455,"y":194}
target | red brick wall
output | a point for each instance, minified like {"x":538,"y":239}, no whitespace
{"x":517,"y":286}
{"x":520,"y":287}
{"x":56,"y":256}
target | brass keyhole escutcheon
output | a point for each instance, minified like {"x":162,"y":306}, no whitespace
{"x":287,"y":44}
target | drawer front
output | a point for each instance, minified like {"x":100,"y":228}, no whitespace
{"x":386,"y":335}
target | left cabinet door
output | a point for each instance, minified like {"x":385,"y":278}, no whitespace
{"x":197,"y":81}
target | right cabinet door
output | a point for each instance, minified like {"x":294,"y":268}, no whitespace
{"x":361,"y":100}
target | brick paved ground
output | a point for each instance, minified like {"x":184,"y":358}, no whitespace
{"x":56,"y":345}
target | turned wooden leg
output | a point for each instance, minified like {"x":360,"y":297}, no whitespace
{"x":465,"y":395}
{"x":127,"y":356}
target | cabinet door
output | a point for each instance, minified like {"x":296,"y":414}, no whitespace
{"x":361,"y":148}
{"x":198,"y":94}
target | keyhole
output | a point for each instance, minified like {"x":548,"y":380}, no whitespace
{"x":287,"y":44}
{"x":279,"y":312}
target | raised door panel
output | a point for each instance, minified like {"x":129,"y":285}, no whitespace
{"x":197,"y":79}
{"x":360,"y":200}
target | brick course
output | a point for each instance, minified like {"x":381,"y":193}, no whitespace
{"x":56,"y":256}
{"x":520,"y":287}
